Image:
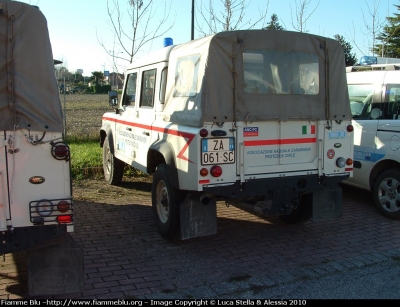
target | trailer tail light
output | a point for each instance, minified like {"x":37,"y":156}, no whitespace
{"x":60,"y":151}
{"x":216,"y":171}
{"x":44,"y":207}
{"x":350,"y":128}
{"x":64,"y":219}
{"x":50,"y":211}
{"x":341,"y":162}
{"x":63,"y":206}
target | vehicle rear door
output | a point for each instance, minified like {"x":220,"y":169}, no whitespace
{"x":276,"y":147}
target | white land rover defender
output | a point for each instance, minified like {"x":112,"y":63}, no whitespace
{"x":36,"y":206}
{"x":375,"y":105}
{"x":253,"y":117}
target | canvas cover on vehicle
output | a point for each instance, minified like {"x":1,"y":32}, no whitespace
{"x":29,"y":97}
{"x":218,"y":92}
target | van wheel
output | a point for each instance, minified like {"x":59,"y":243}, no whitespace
{"x":302,"y":213}
{"x":387,"y":193}
{"x":113,"y":167}
{"x":165,"y":202}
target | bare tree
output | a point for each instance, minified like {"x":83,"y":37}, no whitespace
{"x":229,"y":17}
{"x":373,"y":28}
{"x":135,"y":29}
{"x":301,"y":15}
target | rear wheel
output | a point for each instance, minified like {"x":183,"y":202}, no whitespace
{"x":165,"y":203}
{"x":386,"y":193}
{"x":113,"y":167}
{"x":302,"y":213}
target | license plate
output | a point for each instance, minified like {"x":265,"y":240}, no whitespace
{"x":217,"y":151}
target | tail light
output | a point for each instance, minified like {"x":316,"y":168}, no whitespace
{"x":64,"y":219}
{"x":51,"y":210}
{"x":216,"y":171}
{"x":350,"y":128}
{"x":60,"y":151}
{"x":341,"y":162}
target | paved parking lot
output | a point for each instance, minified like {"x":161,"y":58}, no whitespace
{"x":125,"y":257}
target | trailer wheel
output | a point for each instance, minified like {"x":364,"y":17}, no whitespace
{"x":165,"y":203}
{"x":386,"y":194}
{"x":302,"y":213}
{"x":113,"y":167}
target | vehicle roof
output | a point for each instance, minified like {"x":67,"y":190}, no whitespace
{"x":161,"y":55}
{"x":220,"y":55}
{"x":373,"y":76}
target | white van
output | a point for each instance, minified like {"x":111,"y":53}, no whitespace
{"x":374,"y":94}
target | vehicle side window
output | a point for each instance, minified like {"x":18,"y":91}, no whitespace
{"x":148,"y":88}
{"x":163,"y":84}
{"x":186,"y":75}
{"x":130,"y":90}
{"x":392,"y":110}
{"x":361,"y":96}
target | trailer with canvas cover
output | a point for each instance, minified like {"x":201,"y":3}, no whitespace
{"x":36,"y":205}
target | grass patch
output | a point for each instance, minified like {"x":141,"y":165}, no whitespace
{"x":86,"y":159}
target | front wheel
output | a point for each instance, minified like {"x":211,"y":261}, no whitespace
{"x":386,"y":193}
{"x":302,"y":213}
{"x":165,"y":203}
{"x":113,"y":167}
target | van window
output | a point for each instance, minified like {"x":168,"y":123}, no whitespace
{"x":130,"y":90}
{"x":163,"y":84}
{"x":393,"y":106}
{"x":186,"y":76}
{"x":360,"y":99}
{"x":278,"y":72}
{"x":148,"y":87}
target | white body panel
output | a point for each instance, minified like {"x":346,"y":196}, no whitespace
{"x":20,"y":161}
{"x":377,"y":133}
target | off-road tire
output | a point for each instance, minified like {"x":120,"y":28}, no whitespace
{"x":113,"y":167}
{"x":165,"y":203}
{"x":386,"y":193}
{"x":302,"y":213}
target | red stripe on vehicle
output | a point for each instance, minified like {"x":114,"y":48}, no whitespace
{"x":280,"y":142}
{"x":187,"y":136}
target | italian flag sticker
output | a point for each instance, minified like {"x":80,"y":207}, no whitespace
{"x":309,"y":129}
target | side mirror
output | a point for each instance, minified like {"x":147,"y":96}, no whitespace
{"x":113,"y":98}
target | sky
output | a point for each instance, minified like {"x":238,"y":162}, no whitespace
{"x":76,"y":27}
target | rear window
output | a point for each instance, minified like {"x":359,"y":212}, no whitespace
{"x":278,"y":72}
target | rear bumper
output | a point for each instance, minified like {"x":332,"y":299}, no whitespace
{"x":268,"y":186}
{"x":22,"y":238}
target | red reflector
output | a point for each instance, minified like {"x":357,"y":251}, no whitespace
{"x":203,"y":132}
{"x":63,"y":219}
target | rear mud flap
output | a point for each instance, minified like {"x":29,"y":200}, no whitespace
{"x":56,"y":269}
{"x":327,"y":204}
{"x":196,"y":219}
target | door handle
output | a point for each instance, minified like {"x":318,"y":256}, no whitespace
{"x":129,"y":128}
{"x":146,"y":133}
